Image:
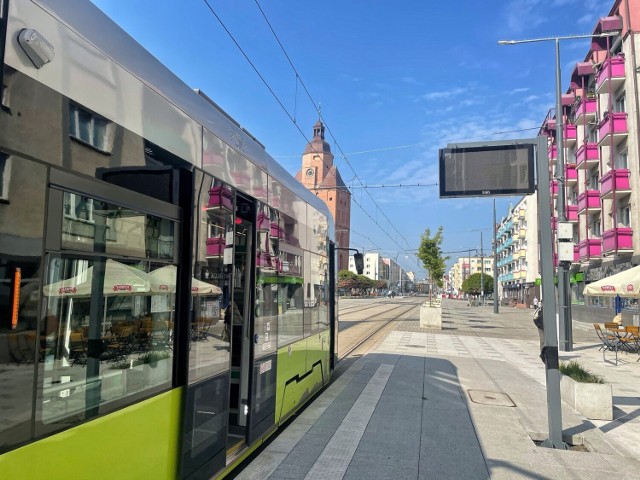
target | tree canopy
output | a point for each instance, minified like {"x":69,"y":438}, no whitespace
{"x":471,"y":285}
{"x":431,"y":255}
{"x":348,"y":279}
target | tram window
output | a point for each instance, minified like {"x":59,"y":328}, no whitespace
{"x":21,"y":226}
{"x":291,"y":290}
{"x":213,"y":231}
{"x":268,"y":276}
{"x":88,"y":221}
{"x":106,"y":335}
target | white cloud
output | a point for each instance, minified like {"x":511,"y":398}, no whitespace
{"x":444,"y":94}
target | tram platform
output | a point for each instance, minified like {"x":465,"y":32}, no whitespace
{"x":456,"y":404}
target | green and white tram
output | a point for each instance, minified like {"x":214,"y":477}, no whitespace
{"x":167,"y":290}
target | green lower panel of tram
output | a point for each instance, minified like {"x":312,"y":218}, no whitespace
{"x":137,"y":442}
{"x":303,"y":369}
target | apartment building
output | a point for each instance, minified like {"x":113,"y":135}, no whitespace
{"x":517,"y":252}
{"x":467,"y":266}
{"x":601,"y":117}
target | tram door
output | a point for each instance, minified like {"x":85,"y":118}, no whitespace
{"x":240,"y":319}
{"x":254,"y":323}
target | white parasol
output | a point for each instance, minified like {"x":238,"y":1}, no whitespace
{"x":163,"y":280}
{"x":119,"y":279}
{"x":625,"y":284}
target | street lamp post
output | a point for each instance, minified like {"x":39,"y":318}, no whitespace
{"x":566,"y":331}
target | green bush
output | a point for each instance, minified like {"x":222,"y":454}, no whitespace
{"x":577,"y":372}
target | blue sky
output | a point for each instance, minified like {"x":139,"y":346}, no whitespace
{"x":397,"y":80}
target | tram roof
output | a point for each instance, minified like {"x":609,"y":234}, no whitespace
{"x":87,"y":20}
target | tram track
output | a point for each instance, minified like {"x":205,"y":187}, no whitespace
{"x":370,"y":333}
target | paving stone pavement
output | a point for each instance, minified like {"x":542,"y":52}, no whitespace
{"x":456,"y":404}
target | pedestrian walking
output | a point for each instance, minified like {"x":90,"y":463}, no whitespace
{"x":538,"y":322}
{"x":536,"y":302}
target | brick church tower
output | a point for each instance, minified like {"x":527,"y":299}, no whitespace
{"x":321,"y":176}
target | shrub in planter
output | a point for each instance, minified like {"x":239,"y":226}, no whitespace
{"x":586,"y":392}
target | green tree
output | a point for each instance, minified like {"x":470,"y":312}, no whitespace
{"x":471,"y":285}
{"x":431,"y":256}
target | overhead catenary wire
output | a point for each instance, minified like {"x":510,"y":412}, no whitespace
{"x":293,"y":119}
{"x":317,"y":108}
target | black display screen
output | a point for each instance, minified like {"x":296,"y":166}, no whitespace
{"x":487,"y":171}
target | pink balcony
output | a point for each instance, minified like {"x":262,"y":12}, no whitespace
{"x":215,"y":246}
{"x":572,"y":213}
{"x":611,"y":73}
{"x":585,"y":110}
{"x":570,"y":174}
{"x":553,"y":187}
{"x":617,"y":239}
{"x":589,"y":200}
{"x":569,"y":133}
{"x":613,"y":125}
{"x":615,"y":182}
{"x":590,"y":248}
{"x":220,"y":197}
{"x":554,"y":223}
{"x":587,"y":155}
{"x":553,"y":152}
{"x":576,"y":254}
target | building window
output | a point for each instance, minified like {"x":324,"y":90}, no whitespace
{"x":619,"y":104}
{"x":623,"y":216}
{"x":594,"y":227}
{"x":621,"y":159}
{"x":89,"y":128}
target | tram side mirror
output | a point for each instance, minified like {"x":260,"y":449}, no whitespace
{"x":359,"y":261}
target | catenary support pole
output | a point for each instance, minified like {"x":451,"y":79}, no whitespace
{"x":550,"y":350}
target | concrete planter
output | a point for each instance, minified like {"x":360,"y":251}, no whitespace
{"x":430,"y":316}
{"x":593,"y":400}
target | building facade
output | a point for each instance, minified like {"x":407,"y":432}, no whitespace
{"x":322,"y":177}
{"x":467,"y":266}
{"x":601,"y":122}
{"x":517,"y":252}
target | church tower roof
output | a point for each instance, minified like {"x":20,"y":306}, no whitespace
{"x":318,"y":143}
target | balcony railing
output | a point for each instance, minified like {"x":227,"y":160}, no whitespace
{"x":590,"y":248}
{"x":576,"y":254}
{"x":589,"y":200}
{"x":617,"y":239}
{"x":612,"y":125}
{"x":553,"y":187}
{"x":615,"y":182}
{"x":569,"y":134}
{"x":587,"y":155}
{"x":611,"y":72}
{"x":553,"y":152}
{"x":585,"y":111}
{"x":570,"y":174}
{"x":572,"y":213}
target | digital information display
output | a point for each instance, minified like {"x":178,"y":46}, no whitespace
{"x":487,"y":171}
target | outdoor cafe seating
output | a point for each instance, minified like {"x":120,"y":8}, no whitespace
{"x":615,"y":338}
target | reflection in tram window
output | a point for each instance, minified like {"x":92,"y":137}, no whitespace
{"x":209,"y":341}
{"x":268,"y":278}
{"x":87,"y":221}
{"x":107,"y":333}
{"x":290,"y":282}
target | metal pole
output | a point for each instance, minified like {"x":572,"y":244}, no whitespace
{"x":496,"y":300}
{"x":550,"y":351}
{"x":481,"y":271}
{"x":564,"y":312}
